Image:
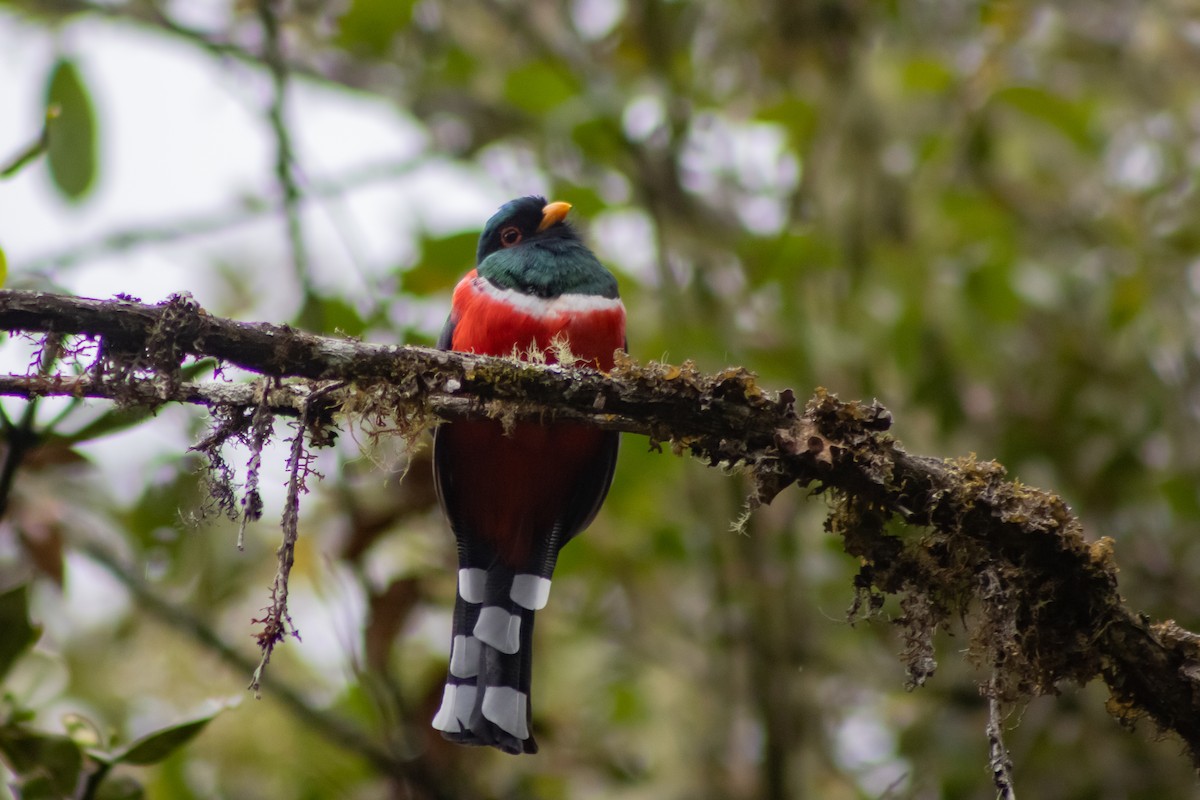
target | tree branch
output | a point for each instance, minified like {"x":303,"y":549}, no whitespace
{"x":1040,"y":601}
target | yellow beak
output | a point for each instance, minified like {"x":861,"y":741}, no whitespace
{"x":553,"y":214}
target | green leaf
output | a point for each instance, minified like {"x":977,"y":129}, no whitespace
{"x":38,"y":679}
{"x":443,"y":261}
{"x":51,"y":763}
{"x":1128,"y":300}
{"x":120,"y":787}
{"x":600,"y":138}
{"x":343,"y":318}
{"x":82,"y":730}
{"x":1183,"y":495}
{"x":668,"y":544}
{"x":782,"y":257}
{"x":626,"y":704}
{"x":586,"y":202}
{"x":154,"y":747}
{"x":989,"y":291}
{"x":158,"y":507}
{"x":457,"y":66}
{"x":539,"y":86}
{"x":370,"y":26}
{"x":72,"y":145}
{"x":1071,"y":119}
{"x":798,"y":118}
{"x":17,"y":634}
{"x":3,"y":266}
{"x":112,"y":421}
{"x":927,"y":75}
{"x":37,"y":787}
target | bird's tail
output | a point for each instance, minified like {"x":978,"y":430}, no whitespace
{"x":486,"y":699}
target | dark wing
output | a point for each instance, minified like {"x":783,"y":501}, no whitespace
{"x":447,"y":334}
{"x":592,"y":488}
{"x":443,"y":477}
{"x":593,"y":484}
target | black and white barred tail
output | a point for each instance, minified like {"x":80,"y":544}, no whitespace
{"x":487,"y":696}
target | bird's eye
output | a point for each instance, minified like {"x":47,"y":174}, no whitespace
{"x":510,"y":236}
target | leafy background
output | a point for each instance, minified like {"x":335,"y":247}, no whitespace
{"x":983,"y":213}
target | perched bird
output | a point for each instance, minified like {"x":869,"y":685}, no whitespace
{"x":515,"y":498}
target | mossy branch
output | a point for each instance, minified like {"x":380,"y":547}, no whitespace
{"x":1041,"y":601}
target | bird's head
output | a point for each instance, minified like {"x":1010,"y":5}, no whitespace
{"x":521,"y":221}
{"x":529,"y":246}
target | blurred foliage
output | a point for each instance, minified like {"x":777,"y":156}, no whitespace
{"x":71,"y":145}
{"x":77,"y":763}
{"x":983,"y":213}
{"x":19,"y":633}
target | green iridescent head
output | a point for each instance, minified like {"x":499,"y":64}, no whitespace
{"x":529,"y":246}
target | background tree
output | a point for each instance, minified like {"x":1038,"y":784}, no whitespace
{"x":983,"y":214}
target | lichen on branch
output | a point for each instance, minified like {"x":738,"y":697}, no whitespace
{"x":953,"y":539}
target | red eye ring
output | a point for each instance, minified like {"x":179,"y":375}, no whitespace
{"x":510,"y":236}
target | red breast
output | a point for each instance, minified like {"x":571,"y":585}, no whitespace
{"x":492,"y":321}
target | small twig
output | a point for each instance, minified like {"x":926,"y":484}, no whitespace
{"x":284,"y":154}
{"x":35,"y":148}
{"x":261,"y":426}
{"x":999,"y":759}
{"x":21,"y":437}
{"x":278,"y":622}
{"x":285,"y":399}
